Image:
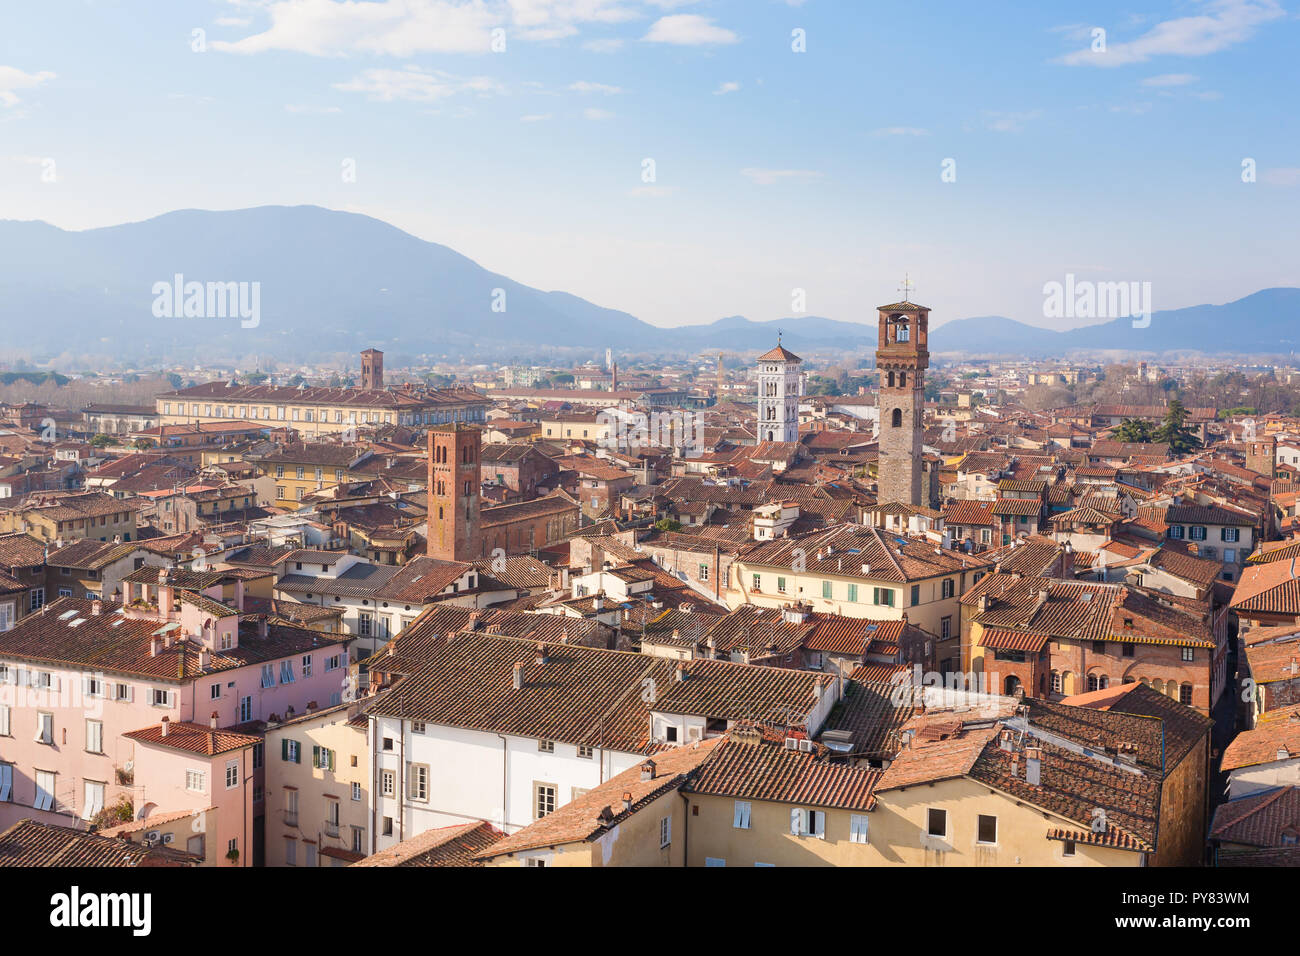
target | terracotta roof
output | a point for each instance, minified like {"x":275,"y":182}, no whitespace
{"x":28,"y":843}
{"x":1261,"y":819}
{"x":779,"y":354}
{"x":193,"y":738}
{"x":443,"y":846}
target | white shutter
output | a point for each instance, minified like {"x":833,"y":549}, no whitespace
{"x":819,"y":821}
{"x":6,"y":781}
{"x":796,"y":818}
{"x":4,"y":720}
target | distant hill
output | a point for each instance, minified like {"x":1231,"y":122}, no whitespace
{"x":334,"y":281}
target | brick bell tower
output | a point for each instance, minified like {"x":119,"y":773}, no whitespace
{"x":902,"y":357}
{"x":453,"y":493}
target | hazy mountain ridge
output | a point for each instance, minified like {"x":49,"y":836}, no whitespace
{"x":336,"y":281}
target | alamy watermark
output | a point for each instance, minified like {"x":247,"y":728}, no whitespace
{"x":633,"y":431}
{"x":179,"y":299}
{"x":1085,"y":299}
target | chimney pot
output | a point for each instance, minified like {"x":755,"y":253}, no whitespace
{"x":165,"y":722}
{"x":212,"y":721}
{"x":519,"y":676}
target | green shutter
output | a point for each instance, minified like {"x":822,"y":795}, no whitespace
{"x":331,"y":753}
{"x":315,"y":757}
{"x":284,"y":748}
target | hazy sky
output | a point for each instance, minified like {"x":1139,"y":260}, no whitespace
{"x":773,"y":169}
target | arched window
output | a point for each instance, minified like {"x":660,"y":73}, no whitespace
{"x":904,"y":334}
{"x":891,"y":379}
{"x":902,"y":380}
{"x":896,"y":419}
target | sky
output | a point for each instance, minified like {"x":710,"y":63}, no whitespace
{"x":686,"y":160}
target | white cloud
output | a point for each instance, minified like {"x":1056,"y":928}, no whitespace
{"x":12,"y":78}
{"x":1224,"y":23}
{"x":583,"y":86}
{"x":729,"y":87}
{"x":1170,"y":79}
{"x":535,"y":118}
{"x":901,"y":131}
{"x":688,"y":29}
{"x":1001,"y":122}
{"x":594,"y":114}
{"x":387,"y":27}
{"x":609,"y":45}
{"x":767,"y":177}
{"x":417,"y":85}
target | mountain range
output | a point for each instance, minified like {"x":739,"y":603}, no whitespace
{"x":330,"y":281}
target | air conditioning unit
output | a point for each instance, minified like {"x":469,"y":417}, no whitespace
{"x":168,"y":837}
{"x":151,"y":837}
{"x":806,"y":746}
{"x":791,"y":743}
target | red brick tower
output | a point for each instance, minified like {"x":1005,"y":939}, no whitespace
{"x":453,"y":493}
{"x":372,"y":369}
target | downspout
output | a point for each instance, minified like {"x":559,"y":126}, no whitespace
{"x":374,"y":782}
{"x":686,"y":827}
{"x":505,"y":762}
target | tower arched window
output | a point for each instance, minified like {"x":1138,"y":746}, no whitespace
{"x":902,"y":380}
{"x":904,"y":333}
{"x":896,"y":419}
{"x":891,"y":379}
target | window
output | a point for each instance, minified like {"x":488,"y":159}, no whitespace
{"x":387,"y":783}
{"x":1198,"y":532}
{"x":322,"y":758}
{"x":1176,"y":531}
{"x":826,"y":590}
{"x":245,"y":708}
{"x":936,"y":823}
{"x":306,"y":666}
{"x":704,"y":572}
{"x":1185,"y":694}
{"x":949,"y":587}
{"x":388,"y":826}
{"x":853,"y":592}
{"x":1068,"y":848}
{"x":196,"y":780}
{"x":808,"y":823}
{"x":356,"y":791}
{"x":858,"y":828}
{"x":988,"y":829}
{"x":945,"y":627}
{"x":94,"y":799}
{"x":6,"y":782}
{"x":420,"y":782}
{"x":740,"y":814}
{"x":757,"y":582}
{"x":543,"y":799}
{"x":44,"y":791}
{"x":332,"y":817}
{"x":1127,"y":648}
{"x":1189,"y":654}
{"x":780,"y":584}
{"x":45,"y":729}
{"x":358,"y":834}
{"x":290,"y":851}
{"x":916,"y":594}
{"x":286,"y":672}
{"x":365,"y":624}
{"x":95,"y":736}
{"x":535,"y":862}
{"x":4,"y":720}
{"x":232,"y":774}
{"x":546,"y":746}
{"x":883,"y":596}
{"x":290,"y":751}
{"x":665,"y":832}
{"x":259,"y":755}
{"x":268,"y":675}
{"x":585,"y":751}
{"x":1230,"y":534}
{"x":37,"y":599}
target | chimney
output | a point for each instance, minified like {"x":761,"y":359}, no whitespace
{"x":542,"y":656}
{"x":473,"y":621}
{"x":205,"y":657}
{"x":96,"y":607}
{"x":165,"y":722}
{"x":681,"y":673}
{"x":263,"y":626}
{"x":519,"y":676}
{"x":155,"y":646}
{"x":212,"y":720}
{"x":1033,"y":766}
{"x":627,"y":800}
{"x":648,"y":770}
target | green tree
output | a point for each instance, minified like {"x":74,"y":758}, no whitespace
{"x":101,"y":441}
{"x":1135,"y":430}
{"x":1174,"y":430}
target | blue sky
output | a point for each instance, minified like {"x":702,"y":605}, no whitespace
{"x":775,"y":170}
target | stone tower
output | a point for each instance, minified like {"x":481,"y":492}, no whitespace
{"x":779,"y":386}
{"x":901,"y":360}
{"x":453,"y":493}
{"x":372,"y":369}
